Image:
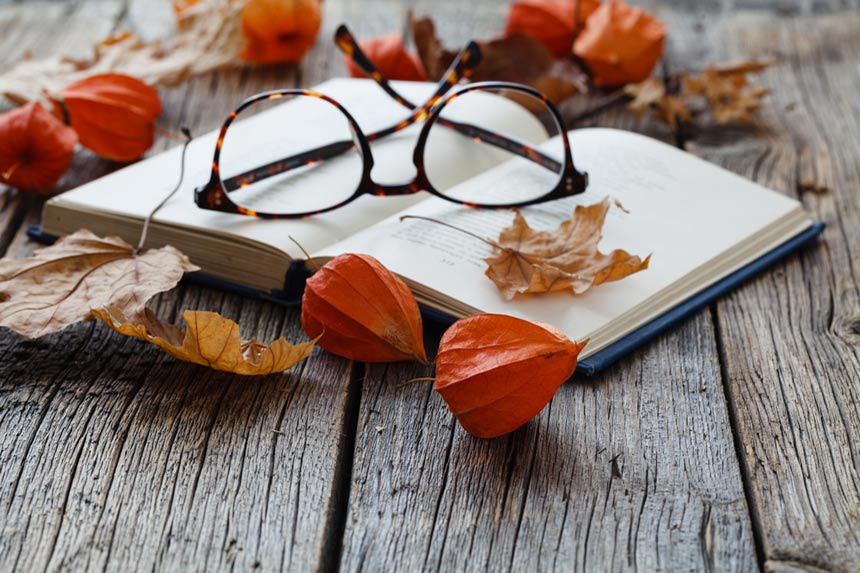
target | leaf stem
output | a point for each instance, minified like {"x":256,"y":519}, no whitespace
{"x":450,"y":226}
{"x":12,"y":168}
{"x":148,"y":220}
{"x":310,"y":260}
{"x":414,"y":380}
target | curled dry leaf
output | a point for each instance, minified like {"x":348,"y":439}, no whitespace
{"x":279,"y":30}
{"x":35,"y":149}
{"x":210,"y":340}
{"x":516,"y":58}
{"x":361,"y":310}
{"x":651,"y":94}
{"x":497,"y":372}
{"x":530,"y":261}
{"x":60,"y":284}
{"x":620,"y":44}
{"x":209,"y":37}
{"x":730,"y":95}
{"x":390,"y":57}
{"x":113,"y":114}
{"x":551,"y":22}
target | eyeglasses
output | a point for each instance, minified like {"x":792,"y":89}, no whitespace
{"x":316,"y":158}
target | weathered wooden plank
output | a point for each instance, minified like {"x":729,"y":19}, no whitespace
{"x":633,"y":469}
{"x":789,"y":338}
{"x":117,"y":457}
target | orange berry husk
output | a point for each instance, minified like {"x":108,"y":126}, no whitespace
{"x":279,"y":30}
{"x":363,"y":312}
{"x":496,"y":372}
{"x":551,"y":22}
{"x":620,"y":44}
{"x":35,"y":149}
{"x":391,"y":59}
{"x":113,"y":114}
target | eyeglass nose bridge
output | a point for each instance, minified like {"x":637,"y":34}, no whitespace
{"x":394,"y":189}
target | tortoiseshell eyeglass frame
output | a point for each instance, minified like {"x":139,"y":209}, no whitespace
{"x":215,"y":194}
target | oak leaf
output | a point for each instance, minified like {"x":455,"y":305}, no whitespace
{"x":210,"y":340}
{"x":530,"y":261}
{"x":58,"y":285}
{"x":209,"y":37}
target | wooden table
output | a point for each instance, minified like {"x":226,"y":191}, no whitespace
{"x":730,"y":443}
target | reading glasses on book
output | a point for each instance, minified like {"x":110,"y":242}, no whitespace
{"x":316,"y":158}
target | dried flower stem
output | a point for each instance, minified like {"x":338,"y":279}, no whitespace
{"x":145,"y":231}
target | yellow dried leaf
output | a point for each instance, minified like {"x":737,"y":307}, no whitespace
{"x":209,"y":37}
{"x":211,"y":340}
{"x":58,"y":285}
{"x":530,"y":261}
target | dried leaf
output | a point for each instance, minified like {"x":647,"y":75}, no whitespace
{"x":211,"y":340}
{"x":651,"y":94}
{"x":35,"y":149}
{"x":497,"y":372}
{"x":60,"y":284}
{"x":727,"y":89}
{"x":209,"y":37}
{"x":516,"y":58}
{"x":530,"y":261}
{"x":620,"y":43}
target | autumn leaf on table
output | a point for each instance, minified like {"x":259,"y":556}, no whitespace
{"x":58,"y":285}
{"x":651,"y":94}
{"x":530,"y":261}
{"x":209,"y":37}
{"x":210,"y":340}
{"x":727,"y":89}
{"x":516,"y":58}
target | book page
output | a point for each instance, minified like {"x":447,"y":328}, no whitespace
{"x":135,"y":190}
{"x":682,"y":210}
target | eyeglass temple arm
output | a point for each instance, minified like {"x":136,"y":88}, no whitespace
{"x":464,"y":61}
{"x":349,"y":46}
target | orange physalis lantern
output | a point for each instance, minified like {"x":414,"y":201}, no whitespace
{"x":362,"y":311}
{"x":551,"y":22}
{"x":113,"y":114}
{"x":35,"y":149}
{"x":497,"y":372}
{"x":391,"y":59}
{"x":279,"y":30}
{"x":620,"y":44}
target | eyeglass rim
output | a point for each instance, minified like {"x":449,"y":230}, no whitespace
{"x":214,"y":196}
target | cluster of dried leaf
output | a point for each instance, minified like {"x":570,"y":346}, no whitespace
{"x":555,"y":46}
{"x":109,"y":100}
{"x":724,"y":90}
{"x":353,"y":307}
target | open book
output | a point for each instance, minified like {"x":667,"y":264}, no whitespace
{"x":706,"y":228}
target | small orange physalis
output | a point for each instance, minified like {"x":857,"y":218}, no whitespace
{"x":113,"y":114}
{"x":35,"y":149}
{"x":497,"y":372}
{"x":551,"y":22}
{"x":391,"y":59}
{"x":620,"y":44}
{"x":362,"y":311}
{"x":279,"y":30}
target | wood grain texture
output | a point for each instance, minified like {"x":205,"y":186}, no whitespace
{"x":116,"y":457}
{"x":789,"y":339}
{"x":634,"y":469}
